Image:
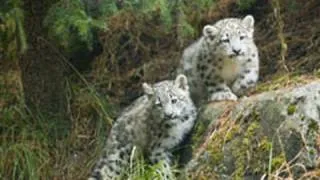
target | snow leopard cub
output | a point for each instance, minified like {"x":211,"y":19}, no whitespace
{"x":224,"y":62}
{"x":153,"y":124}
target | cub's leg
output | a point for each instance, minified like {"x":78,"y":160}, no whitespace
{"x":111,"y":164}
{"x":247,"y":79}
{"x":162,"y":156}
{"x":159,"y":151}
{"x":218,"y":89}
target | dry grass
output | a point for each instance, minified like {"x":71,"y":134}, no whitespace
{"x":288,"y":41}
{"x":27,"y":147}
{"x":284,"y":80}
{"x":298,"y":34}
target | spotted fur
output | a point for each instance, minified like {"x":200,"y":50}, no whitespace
{"x":224,"y":63}
{"x":153,"y":124}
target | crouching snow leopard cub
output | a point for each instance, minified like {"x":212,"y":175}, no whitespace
{"x":224,"y":62}
{"x":154,"y":124}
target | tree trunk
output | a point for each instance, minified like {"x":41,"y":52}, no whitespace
{"x":42,"y":68}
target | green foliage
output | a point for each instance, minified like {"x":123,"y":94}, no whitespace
{"x":12,"y":36}
{"x":148,"y":8}
{"x":293,"y":5}
{"x":68,"y":23}
{"x":245,"y":4}
{"x":74,"y":21}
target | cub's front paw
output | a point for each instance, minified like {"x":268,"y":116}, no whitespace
{"x":237,"y":89}
{"x":223,"y":96}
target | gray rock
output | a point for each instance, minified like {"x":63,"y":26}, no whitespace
{"x":258,"y":135}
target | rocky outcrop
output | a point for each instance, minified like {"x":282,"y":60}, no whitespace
{"x":272,"y":134}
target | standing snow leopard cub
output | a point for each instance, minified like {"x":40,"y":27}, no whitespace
{"x":224,"y":62}
{"x":154,"y":124}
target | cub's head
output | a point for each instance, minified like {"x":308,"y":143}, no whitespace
{"x":230,"y":36}
{"x":170,"y":98}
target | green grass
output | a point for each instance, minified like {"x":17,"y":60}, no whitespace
{"x":30,"y":145}
{"x":24,"y":149}
{"x":140,"y":170}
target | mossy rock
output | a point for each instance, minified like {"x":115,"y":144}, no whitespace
{"x":258,"y":135}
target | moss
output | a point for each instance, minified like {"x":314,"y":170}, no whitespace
{"x":291,"y":109}
{"x":241,"y":144}
{"x":200,"y":129}
{"x":254,"y":116}
{"x":215,"y":155}
{"x":240,"y":164}
{"x":203,"y":124}
{"x":313,"y":125}
{"x":276,"y":82}
{"x":218,"y":141}
{"x":241,"y":149}
{"x":277,"y":161}
{"x":281,"y":80}
{"x":265,"y":144}
{"x":252,"y":128}
{"x":254,"y":144}
{"x":231,"y":134}
{"x":215,"y":150}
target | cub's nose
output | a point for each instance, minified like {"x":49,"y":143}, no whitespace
{"x":236,"y":51}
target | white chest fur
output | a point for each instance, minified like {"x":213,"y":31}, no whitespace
{"x":230,"y":69}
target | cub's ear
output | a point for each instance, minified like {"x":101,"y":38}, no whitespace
{"x":248,"y":22}
{"x":182,"y":82}
{"x":147,"y":89}
{"x":210,"y":31}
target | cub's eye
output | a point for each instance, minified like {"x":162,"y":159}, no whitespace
{"x":241,"y":37}
{"x":225,"y":40}
{"x":173,"y":101}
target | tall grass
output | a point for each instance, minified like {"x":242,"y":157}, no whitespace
{"x":31,"y":149}
{"x":29,"y":143}
{"x":24,"y":149}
